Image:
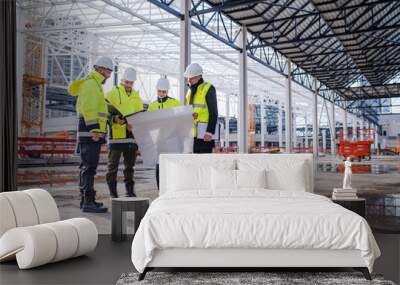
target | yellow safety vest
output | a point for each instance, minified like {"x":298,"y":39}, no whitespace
{"x":126,"y":106}
{"x":169,"y":103}
{"x":199,"y":104}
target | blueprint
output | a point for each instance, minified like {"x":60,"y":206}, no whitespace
{"x":163,"y":131}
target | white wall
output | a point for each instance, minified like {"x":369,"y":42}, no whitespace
{"x":390,"y":124}
{"x":60,"y":124}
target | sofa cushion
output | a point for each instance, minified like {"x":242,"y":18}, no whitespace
{"x":46,"y":207}
{"x":7,"y":220}
{"x":23,"y":208}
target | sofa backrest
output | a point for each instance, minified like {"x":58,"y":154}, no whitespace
{"x":278,"y":162}
{"x":26,"y":208}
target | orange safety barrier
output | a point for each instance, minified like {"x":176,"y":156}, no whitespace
{"x":357,"y":168}
{"x":226,"y":149}
{"x":264,"y":149}
{"x":259,"y":149}
{"x":47,"y":146}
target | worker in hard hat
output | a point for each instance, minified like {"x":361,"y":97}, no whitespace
{"x":203,"y":98}
{"x":163,"y":102}
{"x":92,"y":111}
{"x":123,"y":101}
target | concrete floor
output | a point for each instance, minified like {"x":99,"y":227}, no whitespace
{"x":380,"y":175}
{"x":110,"y":259}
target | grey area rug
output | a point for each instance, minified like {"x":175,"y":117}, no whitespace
{"x":243,"y":278}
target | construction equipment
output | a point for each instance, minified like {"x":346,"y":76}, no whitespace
{"x":33,"y":89}
{"x":356,"y":149}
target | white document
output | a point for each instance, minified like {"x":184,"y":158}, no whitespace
{"x":163,"y":131}
{"x":202,"y":129}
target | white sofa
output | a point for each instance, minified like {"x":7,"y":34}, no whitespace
{"x":31,"y":231}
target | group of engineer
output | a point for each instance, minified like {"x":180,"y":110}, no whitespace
{"x":104,"y":115}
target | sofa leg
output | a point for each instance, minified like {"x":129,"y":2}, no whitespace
{"x":143,"y":274}
{"x":364,"y":271}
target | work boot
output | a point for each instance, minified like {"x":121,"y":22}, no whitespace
{"x":130,"y":190}
{"x":98,"y":204}
{"x":112,"y":186}
{"x":90,"y":207}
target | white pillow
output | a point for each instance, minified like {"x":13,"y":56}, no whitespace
{"x":187,"y":175}
{"x":223,"y":179}
{"x":183,"y":177}
{"x":291,"y":178}
{"x":281,"y":173}
{"x":251,"y":178}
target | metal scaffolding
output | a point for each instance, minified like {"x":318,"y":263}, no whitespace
{"x":252,"y":51}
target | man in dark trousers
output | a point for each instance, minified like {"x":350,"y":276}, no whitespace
{"x":92,"y":112}
{"x":202,"y":97}
{"x":123,"y":101}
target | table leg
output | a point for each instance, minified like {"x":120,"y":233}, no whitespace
{"x":116,"y":222}
{"x":140,"y":211}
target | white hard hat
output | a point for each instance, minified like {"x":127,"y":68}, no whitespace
{"x":163,"y":84}
{"x":194,"y":69}
{"x":104,"y":61}
{"x":129,"y":74}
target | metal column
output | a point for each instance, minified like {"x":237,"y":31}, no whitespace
{"x":315,"y":120}
{"x":288,"y":113}
{"x":376,"y":139}
{"x":263,"y":125}
{"x":305,"y":131}
{"x":185,"y":51}
{"x":333,"y":130}
{"x":227,"y":121}
{"x":116,"y":74}
{"x":243,"y":100}
{"x":324,"y":140}
{"x":354,"y":128}
{"x":280,"y":142}
{"x":362,"y":129}
{"x":345,"y":130}
{"x":294,"y":135}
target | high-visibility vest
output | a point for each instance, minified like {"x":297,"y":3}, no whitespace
{"x":90,"y":106}
{"x":122,"y":105}
{"x":199,"y":104}
{"x":160,"y":104}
